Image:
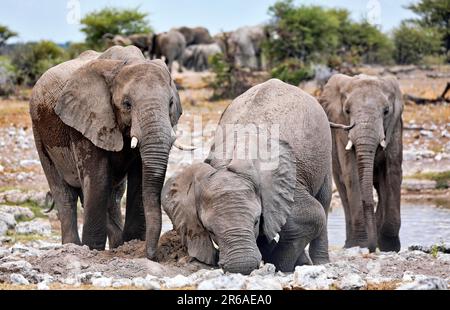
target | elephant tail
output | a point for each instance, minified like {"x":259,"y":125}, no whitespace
{"x":49,"y":202}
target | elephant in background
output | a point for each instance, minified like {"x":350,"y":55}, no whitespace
{"x":196,"y":57}
{"x":142,"y":41}
{"x":170,"y":45}
{"x":232,"y":208}
{"x":367,"y":153}
{"x":195,"y":36}
{"x":246,"y":45}
{"x":98,"y":121}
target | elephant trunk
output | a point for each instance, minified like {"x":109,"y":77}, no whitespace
{"x":365,"y":154}
{"x":239,"y":253}
{"x":155,"y":145}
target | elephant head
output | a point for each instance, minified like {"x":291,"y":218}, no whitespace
{"x":372,"y":108}
{"x":127,"y":104}
{"x":221,"y":207}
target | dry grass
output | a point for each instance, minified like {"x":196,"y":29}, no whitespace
{"x":426,"y":114}
{"x":14,"y":113}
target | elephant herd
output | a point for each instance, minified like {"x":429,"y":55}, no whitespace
{"x":192,"y":48}
{"x":103,"y":123}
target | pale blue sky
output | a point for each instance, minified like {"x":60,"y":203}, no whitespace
{"x":47,"y":19}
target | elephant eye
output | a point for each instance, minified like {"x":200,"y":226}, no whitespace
{"x":386,"y":111}
{"x":347,"y":110}
{"x":127,"y":104}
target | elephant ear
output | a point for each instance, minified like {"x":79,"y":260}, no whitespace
{"x":85,"y":104}
{"x":277,"y":188}
{"x":392,"y":88}
{"x":333,"y":97}
{"x":179,"y":202}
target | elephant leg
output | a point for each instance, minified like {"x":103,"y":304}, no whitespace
{"x":388,"y":185}
{"x":64,"y":196}
{"x":306,"y":222}
{"x":304,"y":260}
{"x":135,"y":216}
{"x":114,"y":220}
{"x":318,"y":248}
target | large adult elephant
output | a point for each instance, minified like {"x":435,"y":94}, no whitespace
{"x":98,"y":121}
{"x":275,"y":178}
{"x":245,"y":44}
{"x":196,"y":57}
{"x":170,"y":45}
{"x":196,"y":35}
{"x":367,"y":153}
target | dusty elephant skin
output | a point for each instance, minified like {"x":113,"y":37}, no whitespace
{"x":367,"y":154}
{"x":169,"y":44}
{"x":98,"y":121}
{"x":240,"y":204}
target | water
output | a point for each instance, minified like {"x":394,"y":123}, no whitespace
{"x":421,"y":225}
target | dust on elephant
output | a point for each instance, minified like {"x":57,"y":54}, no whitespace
{"x":196,"y":57}
{"x":246,"y":45}
{"x":275,"y":178}
{"x":196,"y":35}
{"x":98,"y":121}
{"x":170,"y":45}
{"x":368,"y":153}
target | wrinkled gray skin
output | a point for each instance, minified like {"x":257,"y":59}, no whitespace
{"x":374,"y":106}
{"x":84,"y":113}
{"x":196,"y":35}
{"x":242,"y":204}
{"x":246,"y":45}
{"x":170,"y":45}
{"x":196,"y":57}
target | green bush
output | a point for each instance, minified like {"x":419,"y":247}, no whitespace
{"x":292,"y":71}
{"x":6,"y":34}
{"x":75,"y":49}
{"x":31,"y":60}
{"x":413,"y":43}
{"x":7,"y":77}
{"x":113,"y":21}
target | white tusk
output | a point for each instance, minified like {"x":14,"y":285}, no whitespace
{"x":180,"y":146}
{"x":349,"y":145}
{"x":214,"y":244}
{"x":383,"y":144}
{"x":134,"y":142}
{"x":277,"y":238}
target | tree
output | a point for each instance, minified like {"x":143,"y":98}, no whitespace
{"x":6,"y":34}
{"x":413,"y":42}
{"x":434,"y":14}
{"x":113,"y":21}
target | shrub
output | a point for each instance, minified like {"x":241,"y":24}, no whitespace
{"x":292,"y":71}
{"x":7,"y":77}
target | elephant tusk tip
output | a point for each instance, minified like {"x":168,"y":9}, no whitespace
{"x":214,"y":244}
{"x":182,"y":147}
{"x":383,"y":144}
{"x":349,"y":145}
{"x":134,"y":142}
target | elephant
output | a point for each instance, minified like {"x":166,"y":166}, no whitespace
{"x":237,"y":208}
{"x":196,"y":57}
{"x":195,"y":36}
{"x":169,"y":44}
{"x":367,"y":153}
{"x":142,"y":41}
{"x":245,"y":44}
{"x":99,"y":121}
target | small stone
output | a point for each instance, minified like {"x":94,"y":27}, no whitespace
{"x":26,"y":163}
{"x":177,"y":282}
{"x":266,"y":270}
{"x":86,"y":277}
{"x":19,"y":248}
{"x":259,"y":283}
{"x":352,"y":281}
{"x":122,"y":283}
{"x":225,"y":282}
{"x":18,"y":279}
{"x":204,"y":274}
{"x":312,"y":277}
{"x":102,"y":282}
{"x":8,"y":219}
{"x":43,"y":286}
{"x":19,"y":213}
{"x":429,"y":283}
{"x":149,"y":283}
{"x":16,"y":266}
{"x":3,"y":228}
{"x":443,"y":257}
{"x":426,"y":133}
{"x":356,"y":251}
{"x":38,"y":226}
{"x":4,"y":252}
{"x":71,"y":281}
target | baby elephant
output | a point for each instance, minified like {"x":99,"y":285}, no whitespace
{"x":367,"y":154}
{"x":264,"y":191}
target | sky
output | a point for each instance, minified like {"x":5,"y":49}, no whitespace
{"x":56,"y":20}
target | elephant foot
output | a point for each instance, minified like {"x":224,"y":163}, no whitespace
{"x":151,"y":254}
{"x":303,"y":260}
{"x":389,"y":244}
{"x":115,"y":241}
